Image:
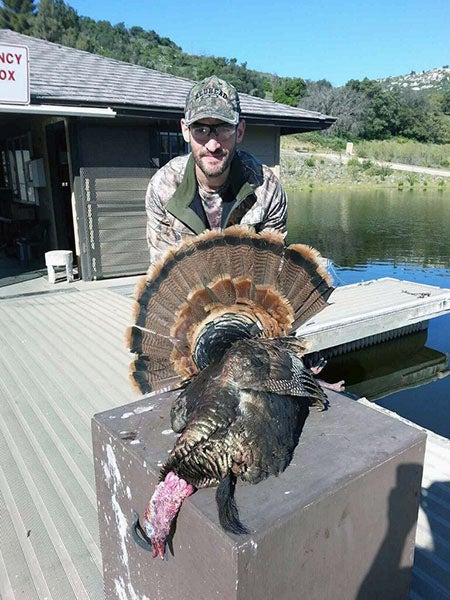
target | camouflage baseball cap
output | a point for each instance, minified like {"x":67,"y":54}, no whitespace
{"x":213,"y":98}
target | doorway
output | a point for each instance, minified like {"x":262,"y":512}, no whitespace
{"x":60,"y":185}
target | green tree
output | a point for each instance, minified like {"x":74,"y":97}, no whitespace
{"x":289,"y":90}
{"x":382,"y":114}
{"x":56,"y":21}
{"x":17,"y":15}
{"x":445,"y":102}
{"x":249,"y":82}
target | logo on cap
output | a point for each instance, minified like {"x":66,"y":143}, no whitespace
{"x":212,"y":98}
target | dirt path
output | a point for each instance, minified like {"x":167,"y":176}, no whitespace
{"x":396,"y":166}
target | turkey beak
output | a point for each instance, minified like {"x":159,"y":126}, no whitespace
{"x":158,"y":549}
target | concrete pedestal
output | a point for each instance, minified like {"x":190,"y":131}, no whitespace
{"x":339,"y":523}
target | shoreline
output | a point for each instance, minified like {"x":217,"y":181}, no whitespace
{"x":316,"y":170}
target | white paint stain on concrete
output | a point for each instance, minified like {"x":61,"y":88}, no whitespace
{"x":125,"y":591}
{"x":137,"y":411}
{"x":124,"y":586}
{"x":126,"y":415}
{"x":122,"y":527}
{"x":106,"y":472}
{"x":167,"y":431}
{"x":115,"y":482}
{"x":143,"y":409}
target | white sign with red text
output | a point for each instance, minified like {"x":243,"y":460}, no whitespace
{"x":14,"y":75}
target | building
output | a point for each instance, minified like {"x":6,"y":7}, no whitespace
{"x":81,"y":142}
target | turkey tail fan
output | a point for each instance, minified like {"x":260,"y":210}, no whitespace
{"x":213,"y":289}
{"x":226,"y":506}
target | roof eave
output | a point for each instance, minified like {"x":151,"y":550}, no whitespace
{"x":287,"y":124}
{"x":63,"y":110}
{"x":292,"y":124}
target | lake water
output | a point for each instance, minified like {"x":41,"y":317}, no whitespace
{"x":387,"y":233}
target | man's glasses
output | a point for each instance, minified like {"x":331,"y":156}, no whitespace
{"x":202,"y":132}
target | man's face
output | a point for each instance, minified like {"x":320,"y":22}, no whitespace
{"x":213,"y":153}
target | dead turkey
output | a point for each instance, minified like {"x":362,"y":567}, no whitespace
{"x":215,"y":316}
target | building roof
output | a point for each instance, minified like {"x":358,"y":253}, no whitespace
{"x":63,"y":75}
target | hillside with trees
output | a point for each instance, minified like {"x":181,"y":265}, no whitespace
{"x":367,"y":109}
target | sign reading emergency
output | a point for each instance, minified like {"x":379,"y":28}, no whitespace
{"x":14,"y":75}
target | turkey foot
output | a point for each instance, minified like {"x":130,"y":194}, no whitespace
{"x":338,"y":386}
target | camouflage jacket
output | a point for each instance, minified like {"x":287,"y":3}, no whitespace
{"x":258,"y":199}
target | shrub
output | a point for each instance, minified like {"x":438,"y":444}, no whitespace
{"x":405,"y":151}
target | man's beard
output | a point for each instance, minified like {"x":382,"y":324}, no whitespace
{"x":215,"y":170}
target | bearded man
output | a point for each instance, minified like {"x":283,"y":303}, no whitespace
{"x":215,"y":185}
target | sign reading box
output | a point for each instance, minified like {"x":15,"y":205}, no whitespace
{"x":14,"y":74}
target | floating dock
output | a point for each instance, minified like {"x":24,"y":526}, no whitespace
{"x":374,"y":311}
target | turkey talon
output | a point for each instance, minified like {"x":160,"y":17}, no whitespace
{"x":318,"y":366}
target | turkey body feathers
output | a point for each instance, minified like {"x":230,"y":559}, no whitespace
{"x":242,"y":417}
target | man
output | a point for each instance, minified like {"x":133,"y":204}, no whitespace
{"x":216,"y":185}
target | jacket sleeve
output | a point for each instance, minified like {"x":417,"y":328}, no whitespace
{"x":270,"y":210}
{"x":276,"y":215}
{"x":161,"y":234}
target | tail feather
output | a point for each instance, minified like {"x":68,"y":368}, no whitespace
{"x":312,"y":305}
{"x":226,"y":506}
{"x":213,"y":253}
{"x":247,"y":256}
{"x":302,"y":264}
{"x":267,"y":259}
{"x":224,"y":290}
{"x":245,"y":289}
{"x":238,"y":258}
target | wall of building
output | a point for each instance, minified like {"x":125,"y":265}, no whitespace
{"x":125,"y":145}
{"x":264,"y":143}
{"x":115,"y":144}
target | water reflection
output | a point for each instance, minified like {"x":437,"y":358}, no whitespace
{"x":403,"y":363}
{"x":386,"y":233}
{"x":358,"y":228}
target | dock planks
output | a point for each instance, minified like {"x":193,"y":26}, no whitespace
{"x":61,"y":361}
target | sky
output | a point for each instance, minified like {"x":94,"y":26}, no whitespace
{"x":335,"y":40}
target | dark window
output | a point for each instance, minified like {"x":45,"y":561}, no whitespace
{"x":4,"y":177}
{"x":171,"y":144}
